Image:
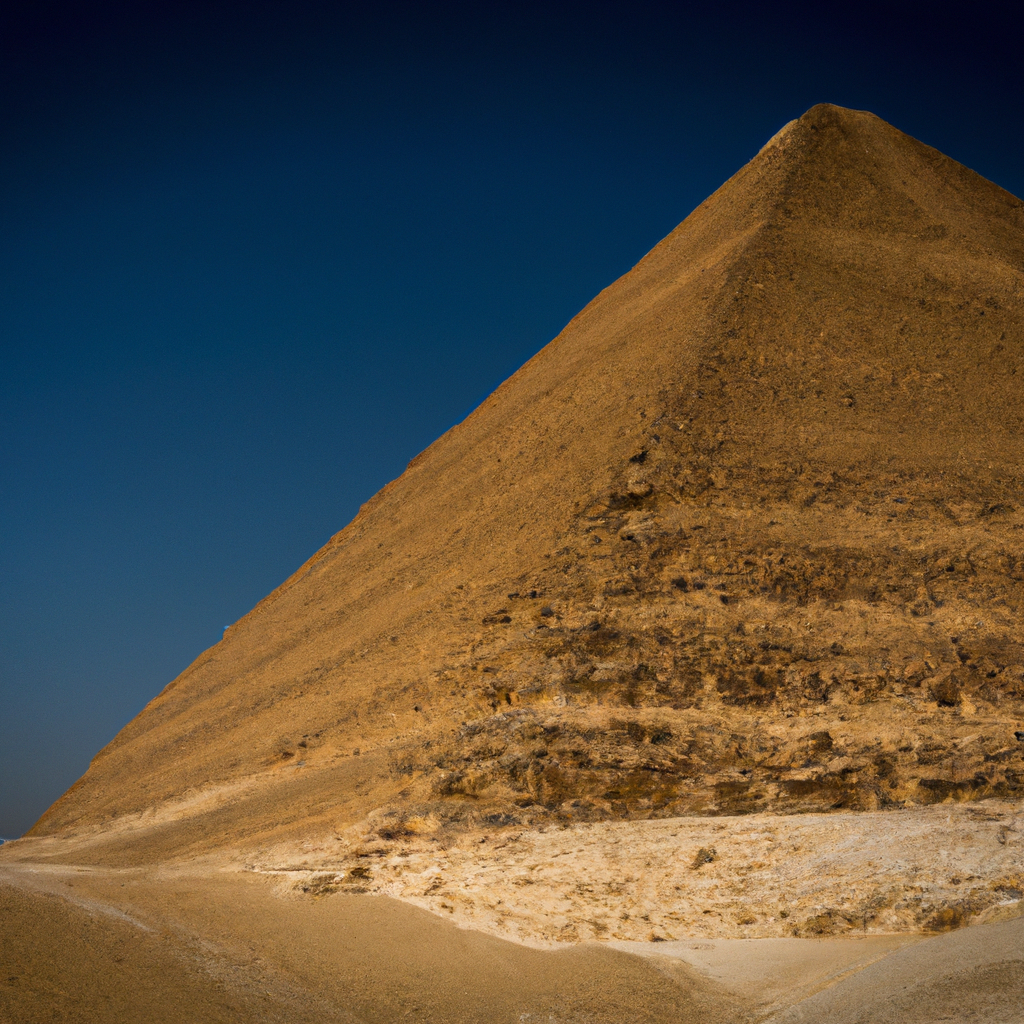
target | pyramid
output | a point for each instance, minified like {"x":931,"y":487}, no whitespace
{"x":747,"y":536}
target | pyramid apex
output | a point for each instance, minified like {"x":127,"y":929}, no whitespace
{"x":821,"y":120}
{"x":826,"y":112}
{"x":824,"y":118}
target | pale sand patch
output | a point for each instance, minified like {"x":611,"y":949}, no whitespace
{"x":972,"y":976}
{"x":773,"y":973}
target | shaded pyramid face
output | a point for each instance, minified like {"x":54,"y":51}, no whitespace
{"x":748,"y":535}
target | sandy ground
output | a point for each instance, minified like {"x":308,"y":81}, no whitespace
{"x":974,"y":976}
{"x":970,"y":976}
{"x":201,"y":943}
{"x":772,"y":974}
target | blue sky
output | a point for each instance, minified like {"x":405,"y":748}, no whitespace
{"x":255,"y":257}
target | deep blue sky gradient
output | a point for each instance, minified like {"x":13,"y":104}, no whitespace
{"x":255,"y":257}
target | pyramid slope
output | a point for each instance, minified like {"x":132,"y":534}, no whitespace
{"x":745,"y":535}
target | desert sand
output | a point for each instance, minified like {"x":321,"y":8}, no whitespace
{"x":683,"y":680}
{"x":188,"y":944}
{"x":194,"y":943}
